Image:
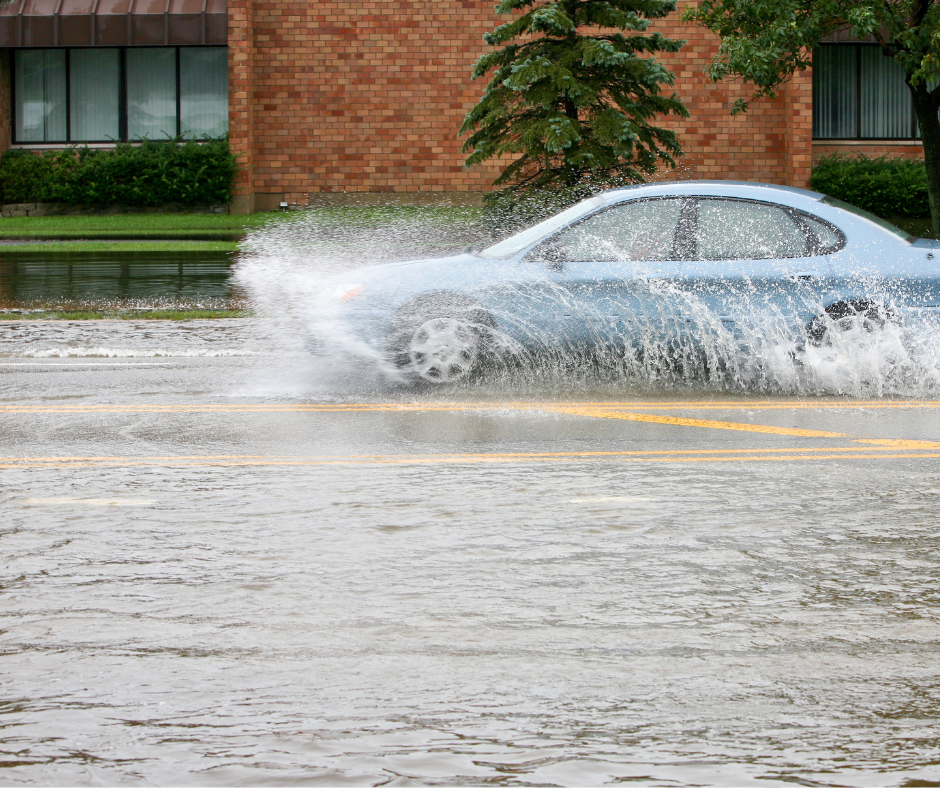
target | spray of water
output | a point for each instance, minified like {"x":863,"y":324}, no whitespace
{"x":678,"y":343}
{"x":283,"y":268}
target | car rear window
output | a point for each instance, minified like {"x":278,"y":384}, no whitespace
{"x":828,"y":239}
{"x":731,"y":229}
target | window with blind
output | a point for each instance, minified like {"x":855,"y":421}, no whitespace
{"x":107,"y":94}
{"x":860,"y":94}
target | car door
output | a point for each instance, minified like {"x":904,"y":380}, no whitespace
{"x":758,"y":271}
{"x":606,"y":277}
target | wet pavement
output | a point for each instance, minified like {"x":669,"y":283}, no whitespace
{"x":219,"y":568}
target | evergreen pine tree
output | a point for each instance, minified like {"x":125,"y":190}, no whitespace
{"x":570,"y":103}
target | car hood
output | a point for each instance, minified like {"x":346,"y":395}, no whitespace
{"x":427,"y":263}
{"x":388,"y":285}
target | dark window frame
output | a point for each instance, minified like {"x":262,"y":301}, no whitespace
{"x":914,"y":135}
{"x":685,"y":237}
{"x":122,"y":98}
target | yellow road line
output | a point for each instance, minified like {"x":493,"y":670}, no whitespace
{"x":589,"y":410}
{"x":470,"y":406}
{"x":744,"y":427}
{"x":520,"y":455}
{"x":891,"y":443}
{"x":471,"y":460}
{"x":664,"y":455}
{"x":714,"y":425}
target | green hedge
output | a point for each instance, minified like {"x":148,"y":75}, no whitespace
{"x":886,"y":187}
{"x":148,"y":174}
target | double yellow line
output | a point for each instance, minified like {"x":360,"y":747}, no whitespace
{"x":744,"y":427}
{"x":865,"y":448}
{"x":413,"y":407}
{"x":663,"y":456}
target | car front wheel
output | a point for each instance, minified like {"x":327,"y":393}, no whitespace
{"x":440,"y":339}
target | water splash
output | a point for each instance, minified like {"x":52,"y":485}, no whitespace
{"x":680,"y":343}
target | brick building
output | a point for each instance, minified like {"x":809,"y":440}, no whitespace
{"x":327,"y":99}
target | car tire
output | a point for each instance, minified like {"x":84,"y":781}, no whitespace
{"x":847,"y":322}
{"x":440,"y":339}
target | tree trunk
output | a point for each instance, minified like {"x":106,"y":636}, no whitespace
{"x":572,"y":176}
{"x":926,"y":107}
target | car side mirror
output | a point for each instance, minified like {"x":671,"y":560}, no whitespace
{"x":553,"y":255}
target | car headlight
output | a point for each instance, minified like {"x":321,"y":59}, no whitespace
{"x":345,"y":292}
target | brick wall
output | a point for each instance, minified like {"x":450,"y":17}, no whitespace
{"x":368,"y":97}
{"x":771,"y":142}
{"x":331,"y":96}
{"x":241,"y":56}
{"x":353,"y":97}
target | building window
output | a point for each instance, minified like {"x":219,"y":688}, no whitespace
{"x":858,"y":93}
{"x":110,"y":94}
{"x":39,"y":86}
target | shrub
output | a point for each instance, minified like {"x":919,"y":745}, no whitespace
{"x":886,"y":187}
{"x":25,"y":177}
{"x":148,"y":174}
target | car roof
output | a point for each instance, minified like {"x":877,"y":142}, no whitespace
{"x":770,"y":192}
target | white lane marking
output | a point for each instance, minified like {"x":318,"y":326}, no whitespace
{"x":614,"y":499}
{"x":84,"y":363}
{"x":90,"y":501}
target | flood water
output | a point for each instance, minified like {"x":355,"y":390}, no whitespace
{"x":205,"y":584}
{"x":96,"y":278}
{"x":225,"y":562}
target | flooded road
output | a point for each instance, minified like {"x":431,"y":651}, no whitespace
{"x":39,"y":277}
{"x":220,"y":570}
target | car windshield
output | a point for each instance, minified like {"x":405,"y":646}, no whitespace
{"x":516,"y":243}
{"x":882,"y":223}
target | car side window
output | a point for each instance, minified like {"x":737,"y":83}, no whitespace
{"x":730,"y":229}
{"x":828,"y":239}
{"x":640,"y":230}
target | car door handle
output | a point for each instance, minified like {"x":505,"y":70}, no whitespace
{"x":722,"y":318}
{"x":805,"y":275}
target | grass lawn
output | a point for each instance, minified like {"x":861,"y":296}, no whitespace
{"x":119,"y":246}
{"x":133,"y":224}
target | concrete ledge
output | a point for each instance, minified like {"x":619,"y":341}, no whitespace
{"x":429,"y":199}
{"x":868,"y":143}
{"x":259,"y":201}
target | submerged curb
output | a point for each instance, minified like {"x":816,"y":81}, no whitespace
{"x":15,"y":315}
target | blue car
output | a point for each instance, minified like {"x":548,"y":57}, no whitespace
{"x":675,"y":267}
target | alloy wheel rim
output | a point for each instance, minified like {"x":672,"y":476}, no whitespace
{"x":443,"y":350}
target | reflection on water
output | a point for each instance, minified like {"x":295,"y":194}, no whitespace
{"x":459,"y":624}
{"x":518,"y":624}
{"x":29,"y":278}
